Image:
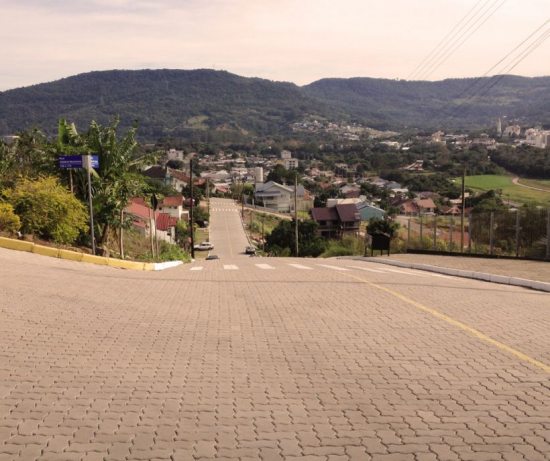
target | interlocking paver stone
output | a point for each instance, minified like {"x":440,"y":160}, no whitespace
{"x":98,"y":363}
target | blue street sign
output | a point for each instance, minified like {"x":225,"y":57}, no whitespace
{"x":76,"y":161}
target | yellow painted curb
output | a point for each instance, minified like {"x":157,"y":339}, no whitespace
{"x":100,"y":260}
{"x":21,"y":245}
{"x":12,"y":244}
{"x":45,"y":251}
{"x":120,"y":263}
{"x":70,"y":255}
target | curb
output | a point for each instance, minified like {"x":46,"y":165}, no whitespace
{"x":483,"y":276}
{"x":69,"y":255}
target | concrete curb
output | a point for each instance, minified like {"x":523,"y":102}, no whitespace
{"x":492,"y":278}
{"x":30,"y":247}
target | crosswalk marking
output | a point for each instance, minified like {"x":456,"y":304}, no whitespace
{"x":368,"y":269}
{"x":404,"y":272}
{"x":230,"y":267}
{"x":336,"y":268}
{"x":196,"y":268}
{"x":264,"y":266}
{"x":299,"y":266}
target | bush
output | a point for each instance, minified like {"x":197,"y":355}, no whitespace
{"x":9,"y":221}
{"x":48,"y":210}
{"x":170,"y":252}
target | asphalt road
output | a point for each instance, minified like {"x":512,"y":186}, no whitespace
{"x":226,"y":229}
{"x":268,"y":359}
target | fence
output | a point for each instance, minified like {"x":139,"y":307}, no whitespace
{"x":524,"y":232}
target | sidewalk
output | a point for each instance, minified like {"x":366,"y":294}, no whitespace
{"x":530,"y":274}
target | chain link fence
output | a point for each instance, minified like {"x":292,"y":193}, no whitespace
{"x":523,"y":232}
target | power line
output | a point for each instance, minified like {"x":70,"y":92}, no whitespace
{"x":425,"y":61}
{"x":488,"y":84}
{"x":472,"y":29}
{"x":506,"y":56}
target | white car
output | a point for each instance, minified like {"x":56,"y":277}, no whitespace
{"x":204,"y":246}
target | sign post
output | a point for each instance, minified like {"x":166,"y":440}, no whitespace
{"x":87,"y":162}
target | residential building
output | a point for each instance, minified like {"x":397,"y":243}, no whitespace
{"x":417,"y":206}
{"x":281,"y":198}
{"x":337,"y":221}
{"x":173,"y":206}
{"x":368,"y":211}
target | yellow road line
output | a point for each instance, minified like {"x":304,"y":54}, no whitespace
{"x":478,"y":334}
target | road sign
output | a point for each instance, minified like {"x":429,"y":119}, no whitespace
{"x":76,"y":161}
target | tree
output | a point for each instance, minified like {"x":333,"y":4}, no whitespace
{"x":382,"y":226}
{"x":117,"y":178}
{"x":281,"y":240}
{"x":48,"y":210}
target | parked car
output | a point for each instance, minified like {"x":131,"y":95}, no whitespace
{"x":204,"y":246}
{"x":250,"y":250}
{"x":211,"y":257}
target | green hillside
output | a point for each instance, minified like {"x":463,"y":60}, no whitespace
{"x":164,"y":102}
{"x":182,"y":103}
{"x":396,"y":104}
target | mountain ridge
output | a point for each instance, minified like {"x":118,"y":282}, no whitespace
{"x":191,"y":103}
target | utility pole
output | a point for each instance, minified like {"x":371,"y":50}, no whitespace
{"x":296,"y":211}
{"x":191,"y":227}
{"x":462,"y":211}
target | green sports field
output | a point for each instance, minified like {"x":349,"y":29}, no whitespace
{"x":509,"y":190}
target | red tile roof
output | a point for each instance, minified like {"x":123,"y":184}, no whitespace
{"x":324,"y":214}
{"x":348,"y":212}
{"x":165,"y":221}
{"x":174,"y":200}
{"x":138,"y":210}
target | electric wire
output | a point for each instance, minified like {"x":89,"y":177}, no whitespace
{"x":443,"y":41}
{"x":493,"y":8}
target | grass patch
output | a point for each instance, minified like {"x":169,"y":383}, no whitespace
{"x":508,"y":190}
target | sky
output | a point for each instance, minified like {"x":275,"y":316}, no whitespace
{"x":286,"y":40}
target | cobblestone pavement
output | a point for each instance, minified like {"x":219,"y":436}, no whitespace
{"x":268,"y":359}
{"x":531,"y":270}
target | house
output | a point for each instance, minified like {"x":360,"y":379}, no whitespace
{"x":281,"y":198}
{"x":417,"y":165}
{"x":350,"y":190}
{"x":337,"y":221}
{"x":173,"y":206}
{"x":143,"y":219}
{"x":368,"y":211}
{"x":417,"y":206}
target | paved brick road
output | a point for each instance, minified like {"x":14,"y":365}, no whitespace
{"x":268,"y":359}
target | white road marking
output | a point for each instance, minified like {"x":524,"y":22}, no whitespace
{"x":336,"y":268}
{"x":230,"y":267}
{"x":264,"y":266}
{"x":299,"y":266}
{"x":438,"y":275}
{"x":404,"y":272}
{"x":196,"y":268}
{"x":366,"y":269}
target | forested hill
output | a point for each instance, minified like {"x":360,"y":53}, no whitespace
{"x":164,"y":102}
{"x":182,"y":103}
{"x":452,"y":103}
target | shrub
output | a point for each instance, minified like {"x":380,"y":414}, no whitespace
{"x":9,"y":221}
{"x":48,"y":210}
